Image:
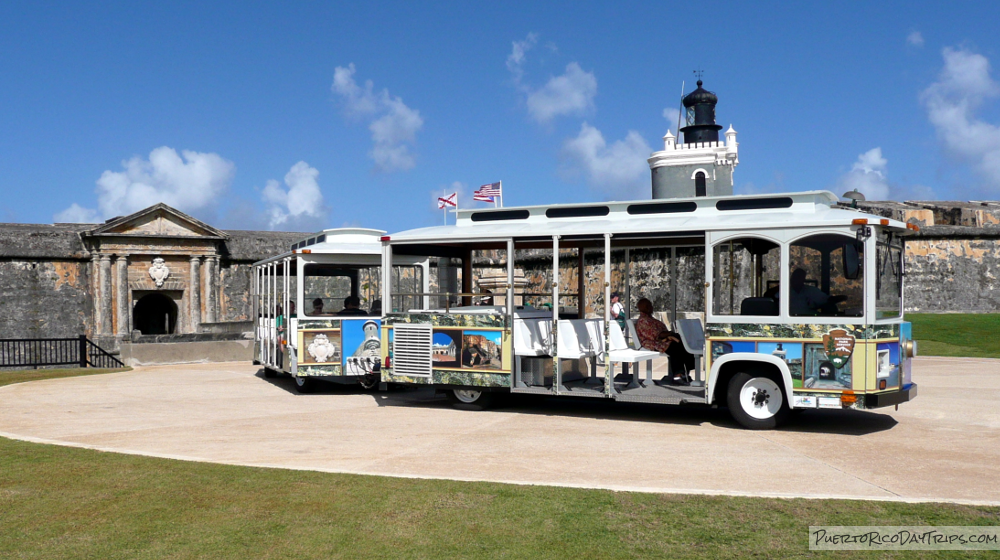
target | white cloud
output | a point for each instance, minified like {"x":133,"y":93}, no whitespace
{"x":620,"y":170}
{"x":394,"y":126}
{"x":868,"y":176}
{"x":77,"y":214}
{"x":951,"y":103}
{"x":302,"y":200}
{"x":516,"y":58}
{"x":915,"y":39}
{"x":673,"y":115}
{"x":570,"y":93}
{"x":189,"y":183}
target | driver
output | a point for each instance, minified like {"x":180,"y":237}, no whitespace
{"x":804,"y":299}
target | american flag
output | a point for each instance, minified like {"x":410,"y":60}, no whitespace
{"x":450,"y":200}
{"x":487,"y":192}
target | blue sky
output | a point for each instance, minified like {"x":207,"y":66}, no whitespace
{"x":261,"y":117}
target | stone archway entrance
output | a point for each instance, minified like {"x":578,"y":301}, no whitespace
{"x":155,"y":313}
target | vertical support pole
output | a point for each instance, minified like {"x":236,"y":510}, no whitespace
{"x":609,"y":369}
{"x":386,"y":278}
{"x":557,"y":374}
{"x":83,"y":350}
{"x":673,"y":288}
{"x":286,"y":312}
{"x":581,"y":285}
{"x":628,"y":284}
{"x":628,"y":304}
{"x":254,"y":306}
{"x":274,"y":315}
{"x":195,"y":296}
{"x":467,"y":277}
{"x":515,"y":367}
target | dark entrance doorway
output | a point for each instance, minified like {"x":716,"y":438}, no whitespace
{"x":155,"y":314}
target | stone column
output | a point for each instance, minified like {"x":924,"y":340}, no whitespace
{"x":121,"y":295}
{"x":95,"y":290}
{"x":105,"y":294}
{"x":211,"y":289}
{"x":195,"y":294}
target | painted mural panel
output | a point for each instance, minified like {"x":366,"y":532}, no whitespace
{"x":819,"y":357}
{"x":482,"y":349}
{"x":360,"y":340}
{"x":320,"y":347}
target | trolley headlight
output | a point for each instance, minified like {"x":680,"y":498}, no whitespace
{"x":910,"y":349}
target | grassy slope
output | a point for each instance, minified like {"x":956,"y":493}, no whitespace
{"x":958,"y":334}
{"x":58,"y":502}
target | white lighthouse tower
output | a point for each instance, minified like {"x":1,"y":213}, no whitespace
{"x":701,"y":165}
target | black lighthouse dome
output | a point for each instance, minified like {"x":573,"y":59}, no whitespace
{"x":700,"y":105}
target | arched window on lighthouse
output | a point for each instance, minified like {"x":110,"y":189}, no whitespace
{"x":699,"y":184}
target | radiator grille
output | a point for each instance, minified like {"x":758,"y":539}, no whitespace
{"x":411,"y":350}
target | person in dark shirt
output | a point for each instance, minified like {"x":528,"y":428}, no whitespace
{"x":352,"y":306}
{"x":654,"y":335}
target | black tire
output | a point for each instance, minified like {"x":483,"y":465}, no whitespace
{"x":270,"y":373}
{"x":305,"y":385}
{"x":756,"y":402}
{"x":470,"y":399}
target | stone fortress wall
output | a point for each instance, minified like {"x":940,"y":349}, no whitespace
{"x":51,"y":275}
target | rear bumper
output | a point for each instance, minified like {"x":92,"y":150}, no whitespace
{"x":880,"y":400}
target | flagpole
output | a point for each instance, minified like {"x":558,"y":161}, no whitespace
{"x":444,"y":207}
{"x":501,"y":194}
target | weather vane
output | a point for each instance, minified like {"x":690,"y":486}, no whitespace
{"x":698,"y":73}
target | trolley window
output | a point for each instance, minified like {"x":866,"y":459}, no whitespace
{"x":889,"y":279}
{"x":826,"y":277}
{"x":746,"y":274}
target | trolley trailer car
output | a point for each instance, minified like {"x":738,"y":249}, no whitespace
{"x":302,"y":326}
{"x":786,"y":302}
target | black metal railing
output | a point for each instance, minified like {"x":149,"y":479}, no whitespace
{"x":34,"y":352}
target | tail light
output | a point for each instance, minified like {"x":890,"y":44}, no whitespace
{"x":388,"y":362}
{"x":848,"y":398}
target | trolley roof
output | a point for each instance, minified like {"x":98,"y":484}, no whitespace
{"x":337,"y":241}
{"x":680,"y":215}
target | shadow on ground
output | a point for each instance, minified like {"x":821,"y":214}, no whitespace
{"x":841,"y":422}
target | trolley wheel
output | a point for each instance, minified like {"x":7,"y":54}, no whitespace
{"x":304,"y":385}
{"x":470,"y":399}
{"x":369,"y":381}
{"x":756,"y":402}
{"x":270,"y":373}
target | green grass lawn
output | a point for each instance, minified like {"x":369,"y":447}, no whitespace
{"x":58,"y":502}
{"x":11,"y":376}
{"x":957,"y":334}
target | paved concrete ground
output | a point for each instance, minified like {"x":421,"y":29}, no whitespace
{"x":945,"y":446}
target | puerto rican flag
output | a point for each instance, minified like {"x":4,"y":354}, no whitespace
{"x":446,"y":201}
{"x":487,"y":192}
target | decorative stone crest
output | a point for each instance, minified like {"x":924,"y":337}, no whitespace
{"x":159,"y":271}
{"x":321,"y":349}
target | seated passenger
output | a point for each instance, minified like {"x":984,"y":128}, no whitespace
{"x":352,"y":306}
{"x":654,"y":335}
{"x":317,"y":307}
{"x":376,"y":308}
{"x":804,"y":299}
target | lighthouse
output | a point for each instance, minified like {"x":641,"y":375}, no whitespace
{"x":701,"y":165}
